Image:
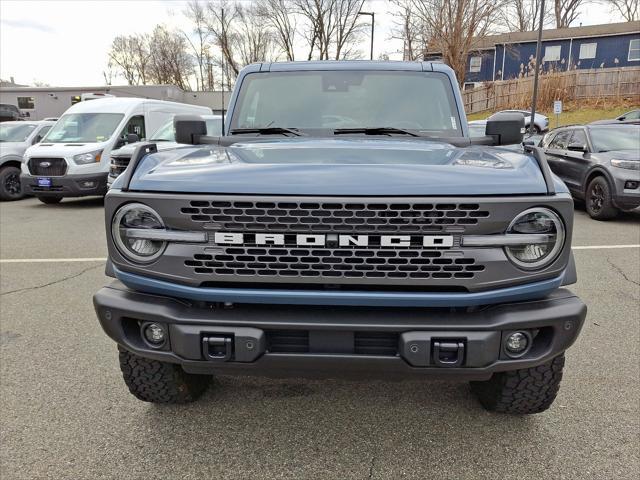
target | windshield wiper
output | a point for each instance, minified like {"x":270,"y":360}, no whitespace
{"x":374,"y":131}
{"x":268,"y":131}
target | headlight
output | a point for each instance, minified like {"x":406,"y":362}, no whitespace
{"x":90,"y":157}
{"x":628,"y":164}
{"x":137,"y":216}
{"x":536,"y":221}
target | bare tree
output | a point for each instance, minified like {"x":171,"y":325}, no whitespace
{"x":453,"y":27}
{"x":253,"y":39}
{"x":169,"y":61}
{"x":278,"y":15}
{"x":123,"y":55}
{"x":347,"y":27}
{"x":567,"y":11}
{"x":200,"y":45}
{"x":524,"y":15}
{"x":406,"y":26}
{"x":629,"y":9}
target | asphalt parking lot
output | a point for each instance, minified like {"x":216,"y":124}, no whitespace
{"x":67,"y":414}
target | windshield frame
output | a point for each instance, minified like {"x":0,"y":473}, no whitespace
{"x":60,"y":123}
{"x":459,"y":133}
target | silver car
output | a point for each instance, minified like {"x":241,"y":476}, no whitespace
{"x":15,"y":137}
{"x":540,"y":122}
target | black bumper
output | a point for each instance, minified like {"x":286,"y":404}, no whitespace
{"x":66,"y":186}
{"x":342,"y":341}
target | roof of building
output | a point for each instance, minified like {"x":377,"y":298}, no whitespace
{"x":559,"y":33}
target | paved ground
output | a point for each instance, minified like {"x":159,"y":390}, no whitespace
{"x":65,"y":412}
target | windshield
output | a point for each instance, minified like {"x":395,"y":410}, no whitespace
{"x":616,"y":138}
{"x":166,"y":133}
{"x":12,"y":132}
{"x":84,"y":128}
{"x":419,"y":101}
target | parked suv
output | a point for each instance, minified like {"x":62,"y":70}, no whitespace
{"x":600,"y":164}
{"x":340,"y":230}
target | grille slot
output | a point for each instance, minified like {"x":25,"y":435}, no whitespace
{"x":119,"y":164}
{"x":287,"y":341}
{"x":334,"y":217}
{"x":376,"y":343}
{"x":327,"y":263}
{"x":56,"y":166}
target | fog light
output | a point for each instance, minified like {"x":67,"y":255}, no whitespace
{"x":155,"y":334}
{"x":517,"y":342}
{"x":631,"y":185}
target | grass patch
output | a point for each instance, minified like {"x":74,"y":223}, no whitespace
{"x":574,"y":114}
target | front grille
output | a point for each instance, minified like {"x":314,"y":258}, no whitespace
{"x":382,"y":217}
{"x":375,"y":343}
{"x":51,"y":167}
{"x":328,"y":263}
{"x":118,"y":165}
{"x":364,"y":343}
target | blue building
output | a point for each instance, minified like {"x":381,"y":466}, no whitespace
{"x":512,"y":55}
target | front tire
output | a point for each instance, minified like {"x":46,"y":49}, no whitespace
{"x":160,"y":382}
{"x":10,"y":187}
{"x":521,"y":392}
{"x":50,"y":200}
{"x":598,"y":200}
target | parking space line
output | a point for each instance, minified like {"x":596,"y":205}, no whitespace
{"x":51,"y":260}
{"x":103,"y":259}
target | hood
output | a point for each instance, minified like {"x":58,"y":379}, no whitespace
{"x":63,"y":149}
{"x":340,"y":167}
{"x":620,"y":154}
{"x":12,"y":148}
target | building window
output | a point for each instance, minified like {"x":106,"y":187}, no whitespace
{"x":26,"y":103}
{"x":475,"y":64}
{"x":552,"y":53}
{"x":588,"y":50}
{"x":75,"y":99}
{"x":634,"y":50}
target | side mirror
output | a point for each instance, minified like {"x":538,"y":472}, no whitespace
{"x":132,"y":138}
{"x":577,"y":147}
{"x":188,"y":128}
{"x":37,"y":139}
{"x":506,"y":128}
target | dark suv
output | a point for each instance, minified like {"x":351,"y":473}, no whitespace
{"x":599,"y":163}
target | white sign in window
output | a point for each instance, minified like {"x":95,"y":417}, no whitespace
{"x":634,"y":50}
{"x":552,"y":53}
{"x":588,"y":50}
{"x":475,"y":64}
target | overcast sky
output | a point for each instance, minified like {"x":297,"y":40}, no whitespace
{"x":65,"y":43}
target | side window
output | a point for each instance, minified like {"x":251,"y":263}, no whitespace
{"x":547,"y":139}
{"x":561,"y":140}
{"x":579,"y":137}
{"x":40,"y":135}
{"x":134,"y":125}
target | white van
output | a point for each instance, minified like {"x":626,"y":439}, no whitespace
{"x":73,"y":159}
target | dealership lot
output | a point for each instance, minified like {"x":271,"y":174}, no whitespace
{"x":66,"y":412}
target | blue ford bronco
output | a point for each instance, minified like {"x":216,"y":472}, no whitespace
{"x":345,"y":226}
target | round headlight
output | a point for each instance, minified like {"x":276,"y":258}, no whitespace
{"x":136,"y":216}
{"x":540,"y":253}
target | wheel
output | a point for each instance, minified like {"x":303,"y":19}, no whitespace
{"x":50,"y":200}
{"x":10,"y":188}
{"x":160,"y":382}
{"x":598,"y":200}
{"x":521,"y":392}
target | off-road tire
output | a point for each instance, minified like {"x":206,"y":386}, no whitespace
{"x":50,"y":200}
{"x":598,"y":200}
{"x":521,"y":392}
{"x":10,"y":188}
{"x":160,"y":382}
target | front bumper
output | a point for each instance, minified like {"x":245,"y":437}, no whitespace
{"x":363,"y":342}
{"x":67,"y":185}
{"x":626,"y":198}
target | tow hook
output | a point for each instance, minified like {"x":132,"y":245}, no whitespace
{"x":218,"y":349}
{"x":448,"y":354}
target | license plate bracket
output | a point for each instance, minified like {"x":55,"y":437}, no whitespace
{"x":44,"y":182}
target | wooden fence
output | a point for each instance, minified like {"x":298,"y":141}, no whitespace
{"x":610,"y":83}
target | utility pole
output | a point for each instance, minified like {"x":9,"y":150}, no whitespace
{"x":373,"y":22}
{"x":537,"y":72}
